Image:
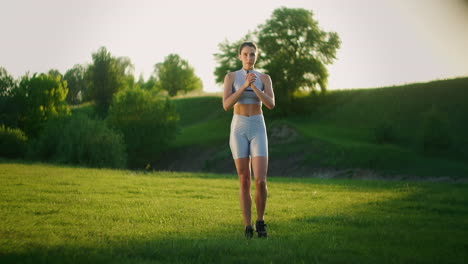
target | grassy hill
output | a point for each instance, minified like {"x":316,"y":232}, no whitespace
{"x":339,"y":132}
{"x":58,"y":214}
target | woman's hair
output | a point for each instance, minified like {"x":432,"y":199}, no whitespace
{"x":250,"y":44}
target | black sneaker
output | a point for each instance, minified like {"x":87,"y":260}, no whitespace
{"x":260,"y":228}
{"x":248,"y":231}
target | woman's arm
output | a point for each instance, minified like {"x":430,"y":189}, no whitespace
{"x":230,"y":98}
{"x":267,"y":96}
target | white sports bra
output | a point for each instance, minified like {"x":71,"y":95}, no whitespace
{"x":248,"y":96}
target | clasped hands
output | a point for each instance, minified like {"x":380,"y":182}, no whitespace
{"x":249,"y":81}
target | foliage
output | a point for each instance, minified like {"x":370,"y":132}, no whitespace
{"x":7,"y":83}
{"x":41,"y":97}
{"x":55,"y":73}
{"x":126,"y":69}
{"x":10,"y":108}
{"x":151,"y":84}
{"x":106,"y":76}
{"x":148,"y":123}
{"x":227,"y":58}
{"x":76,"y":83}
{"x":13,"y":142}
{"x":176,"y":75}
{"x":294,"y":51}
{"x":82,"y":141}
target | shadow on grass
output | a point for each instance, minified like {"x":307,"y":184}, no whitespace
{"x":378,"y":222}
{"x":426,"y":225}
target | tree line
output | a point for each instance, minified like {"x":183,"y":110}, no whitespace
{"x":136,"y":117}
{"x":130,"y":123}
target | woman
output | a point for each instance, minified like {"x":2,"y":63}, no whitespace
{"x":246,"y":90}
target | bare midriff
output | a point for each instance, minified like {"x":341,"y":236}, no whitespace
{"x":247,"y":109}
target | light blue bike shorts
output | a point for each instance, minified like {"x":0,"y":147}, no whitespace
{"x":248,"y":136}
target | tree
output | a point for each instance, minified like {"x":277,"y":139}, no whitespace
{"x":175,"y":75}
{"x":126,"y":69}
{"x":55,"y":73}
{"x":228,"y":57}
{"x":7,"y":83}
{"x":147,"y":121}
{"x":9,"y":109}
{"x":76,"y":83}
{"x":294,"y":51}
{"x":106,"y":76}
{"x":150,"y":85}
{"x":41,"y":97}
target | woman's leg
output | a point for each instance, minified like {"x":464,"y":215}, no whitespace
{"x":243,"y":170}
{"x":260,"y":168}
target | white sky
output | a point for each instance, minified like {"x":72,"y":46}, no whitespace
{"x":384,"y":42}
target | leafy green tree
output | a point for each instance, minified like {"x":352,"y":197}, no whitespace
{"x":149,"y":85}
{"x":126,"y":69}
{"x":147,"y":121}
{"x":9,"y":108}
{"x":228,"y":57}
{"x":106,"y":76}
{"x":7,"y":83}
{"x":55,"y":73}
{"x":141,"y":81}
{"x":152,"y":84}
{"x":176,"y":75}
{"x":41,"y":98}
{"x":76,"y":83}
{"x":294,"y":51}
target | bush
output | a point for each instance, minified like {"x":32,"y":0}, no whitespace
{"x":41,"y":97}
{"x":148,"y":123}
{"x":13,"y":142}
{"x":82,"y":141}
{"x":436,"y":137}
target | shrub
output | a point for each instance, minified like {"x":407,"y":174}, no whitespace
{"x":41,"y":97}
{"x":148,"y":123}
{"x":13,"y":142}
{"x":82,"y":141}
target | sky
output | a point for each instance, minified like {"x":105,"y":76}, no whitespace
{"x":384,"y":42}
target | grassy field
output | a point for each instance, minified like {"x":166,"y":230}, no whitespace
{"x":56,"y":214}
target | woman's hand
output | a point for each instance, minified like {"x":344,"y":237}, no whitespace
{"x":249,"y":79}
{"x":267,"y":96}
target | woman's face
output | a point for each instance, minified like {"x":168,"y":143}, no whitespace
{"x":248,"y":56}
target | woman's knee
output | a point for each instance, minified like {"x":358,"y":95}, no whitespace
{"x":260,"y":183}
{"x":244,"y":178}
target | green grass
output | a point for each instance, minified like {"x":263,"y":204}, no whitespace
{"x":54,"y":214}
{"x":203,"y":122}
{"x":350,"y":147}
{"x":205,"y":134}
{"x":404,"y":107}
